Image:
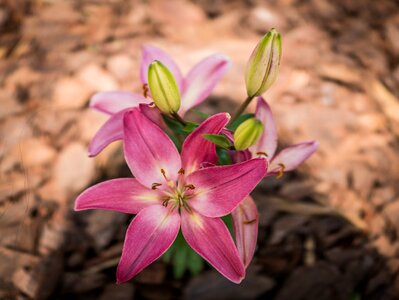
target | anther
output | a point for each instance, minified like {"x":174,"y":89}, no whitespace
{"x":145,"y":90}
{"x":164,"y":174}
{"x":165,"y":201}
{"x":262,"y":153}
{"x":155,"y":185}
{"x":190,"y":186}
{"x":247,"y":222}
{"x":181,"y":171}
{"x":280,"y":171}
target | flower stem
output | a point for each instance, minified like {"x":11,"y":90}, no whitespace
{"x":241,"y":109}
{"x":179,"y":119}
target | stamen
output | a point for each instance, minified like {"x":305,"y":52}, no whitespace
{"x":181,"y":171}
{"x":247,"y":222}
{"x":281,"y":171}
{"x":188,"y":196}
{"x":145,"y":90}
{"x":171,"y":184}
{"x":155,"y":185}
{"x":190,"y":186}
{"x":188,"y":208}
{"x":164,"y":174}
{"x":165,"y":201}
{"x":262,"y":153}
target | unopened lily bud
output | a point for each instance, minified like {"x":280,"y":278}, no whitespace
{"x":163,"y":87}
{"x":264,"y":64}
{"x":247,"y":134}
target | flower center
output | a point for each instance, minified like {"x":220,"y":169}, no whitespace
{"x":176,"y":193}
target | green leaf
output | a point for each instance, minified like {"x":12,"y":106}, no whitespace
{"x":233,"y":126}
{"x":190,"y":126}
{"x":224,"y":157}
{"x":172,"y":124}
{"x":218,"y":139}
{"x":195,"y":262}
{"x":168,"y":255}
{"x":355,"y":296}
{"x":200,"y":113}
{"x":177,"y":135}
{"x":180,"y":261}
{"x":176,"y":140}
{"x":228,"y":220}
{"x":183,"y":258}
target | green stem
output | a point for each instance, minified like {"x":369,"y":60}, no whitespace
{"x":179,"y":119}
{"x":241,"y":109}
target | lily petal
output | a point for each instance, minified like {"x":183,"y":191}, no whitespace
{"x":113,"y":102}
{"x":151,"y":53}
{"x":153,"y":113}
{"x":196,"y":149}
{"x":245,"y":223}
{"x":267,"y":142}
{"x":211,"y":239}
{"x":150,"y":154}
{"x":148,"y":236}
{"x":291,"y":157}
{"x":125,"y":195}
{"x":111,"y":131}
{"x":240,"y":156}
{"x":201,"y":80}
{"x":228,"y":133}
{"x":219,"y":190}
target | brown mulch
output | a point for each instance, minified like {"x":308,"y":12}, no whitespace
{"x":327,"y":231}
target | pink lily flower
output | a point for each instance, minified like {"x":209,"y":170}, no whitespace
{"x":194,"y":89}
{"x":172,"y":192}
{"x":287,"y":159}
{"x":245,"y":216}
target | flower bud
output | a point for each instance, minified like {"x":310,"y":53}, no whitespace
{"x":247,"y":134}
{"x":263,"y":65}
{"x":163,"y":87}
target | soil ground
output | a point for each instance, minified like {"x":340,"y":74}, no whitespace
{"x":329,"y":230}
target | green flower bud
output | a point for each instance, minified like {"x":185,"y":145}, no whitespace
{"x":263,"y":65}
{"x":163,"y":87}
{"x":247,"y":134}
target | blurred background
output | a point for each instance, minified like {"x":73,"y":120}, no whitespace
{"x":327,"y":231}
